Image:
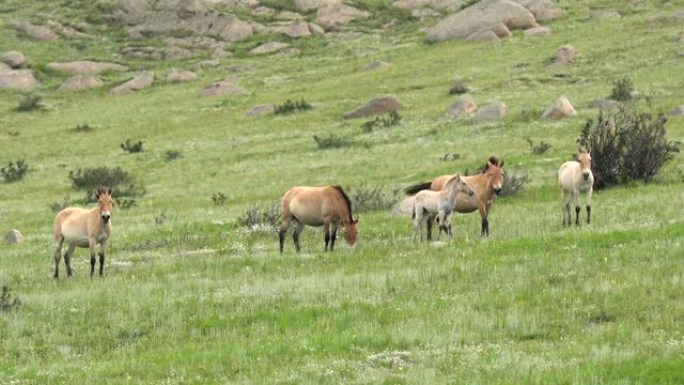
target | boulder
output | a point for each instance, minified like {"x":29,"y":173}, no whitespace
{"x":295,"y":30}
{"x":565,"y":55}
{"x":261,"y":110}
{"x":378,"y":106}
{"x":64,"y":30}
{"x":541,"y":9}
{"x":442,"y":5}
{"x":18,"y":80}
{"x":141,"y":81}
{"x":180,"y":76}
{"x":537,"y":31}
{"x":477,"y":21}
{"x":4,"y":68}
{"x":14,"y":59}
{"x":222,"y":26}
{"x":223,"y":87}
{"x":13,"y":237}
{"x":80,"y":83}
{"x":375,"y":64}
{"x":561,"y":109}
{"x":494,"y":111}
{"x":35,"y":32}
{"x":268,"y":48}
{"x":331,"y":16}
{"x":308,"y":5}
{"x":679,"y":14}
{"x":86,"y":67}
{"x":404,"y":207}
{"x":606,"y":15}
{"x":605,"y":104}
{"x":465,"y":106}
{"x":678,"y":111}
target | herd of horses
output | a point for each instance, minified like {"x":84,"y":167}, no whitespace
{"x":330,"y":207}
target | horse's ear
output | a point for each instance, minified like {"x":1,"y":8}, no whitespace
{"x":97,"y":193}
{"x":355,"y":221}
{"x":502,"y":163}
{"x":109,"y":190}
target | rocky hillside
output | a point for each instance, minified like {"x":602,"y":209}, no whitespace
{"x":207,"y":31}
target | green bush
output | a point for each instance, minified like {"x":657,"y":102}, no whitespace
{"x":629,"y":145}
{"x":14,"y":171}
{"x":538,"y":149}
{"x":392,"y":118}
{"x":622,"y":90}
{"x":261,"y":217}
{"x":121,"y":183}
{"x":218,"y":198}
{"x":514,"y":184}
{"x":8,"y":303}
{"x":331,"y":141}
{"x":291,"y":106}
{"x":131,"y":147}
{"x":30,"y":102}
{"x":366,"y":198}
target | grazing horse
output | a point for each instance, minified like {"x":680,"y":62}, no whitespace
{"x":486,"y":185}
{"x":84,"y":228}
{"x":440,"y":203}
{"x":327,"y":206}
{"x":575,"y":177}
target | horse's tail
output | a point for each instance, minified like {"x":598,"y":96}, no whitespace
{"x":413,"y":190}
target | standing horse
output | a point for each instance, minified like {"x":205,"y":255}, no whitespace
{"x":486,"y":185}
{"x":440,"y":203}
{"x":84,"y":228}
{"x":327,"y":206}
{"x":575,"y":177}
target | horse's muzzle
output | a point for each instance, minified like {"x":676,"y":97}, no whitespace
{"x":585,"y":175}
{"x":497,"y":190}
{"x":105,"y":218}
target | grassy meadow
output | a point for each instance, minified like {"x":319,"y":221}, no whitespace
{"x":192,"y":297}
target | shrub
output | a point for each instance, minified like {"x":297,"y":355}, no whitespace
{"x":14,"y":171}
{"x":392,"y":118}
{"x":30,"y":102}
{"x":132,"y":147}
{"x":513,"y":184}
{"x":540,"y":148}
{"x":450,"y":156}
{"x":218,"y":198}
{"x":85,"y":127}
{"x":8,"y":303}
{"x":629,"y":145}
{"x":56,"y":207}
{"x":291,"y":106}
{"x":260,"y":217}
{"x":365,"y":198}
{"x":121,"y":183}
{"x":173,"y":154}
{"x":622,"y":90}
{"x":332,"y":141}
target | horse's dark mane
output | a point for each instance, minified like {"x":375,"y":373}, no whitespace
{"x":346,"y":200}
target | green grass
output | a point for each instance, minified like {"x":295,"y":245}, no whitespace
{"x":189,"y":297}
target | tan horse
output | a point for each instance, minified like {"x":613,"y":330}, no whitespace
{"x":327,"y":206}
{"x":84,"y":228}
{"x":574,"y":178}
{"x":439,"y":203}
{"x":486,"y":185}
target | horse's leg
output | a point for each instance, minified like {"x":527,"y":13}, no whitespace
{"x":295,"y":236}
{"x":58,"y":254}
{"x":485,"y":223}
{"x":430,"y":220}
{"x":440,"y":227}
{"x":326,"y":230}
{"x":91,"y":248}
{"x":283,"y":231}
{"x":67,"y":258}
{"x":575,"y":195}
{"x":589,"y":205}
{"x":333,"y":235}
{"x":102,"y":256}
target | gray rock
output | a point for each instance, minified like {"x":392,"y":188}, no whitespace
{"x":541,"y":9}
{"x":35,"y":32}
{"x":13,"y":237}
{"x":331,"y":16}
{"x":180,"y":76}
{"x":494,"y":111}
{"x":465,"y":106}
{"x":678,"y":111}
{"x":261,"y":110}
{"x":605,"y":104}
{"x":565,"y":55}
{"x":561,"y":109}
{"x":14,"y":59}
{"x":404,"y":207}
{"x":268,"y":48}
{"x":4,"y":68}
{"x":86,"y":67}
{"x":295,"y":30}
{"x":375,"y":64}
{"x":18,"y":80}
{"x":378,"y":106}
{"x":80,"y":83}
{"x":679,"y":14}
{"x":475,"y":22}
{"x":442,"y":5}
{"x":223,"y":87}
{"x":308,"y":5}
{"x":537,"y":31}
{"x":141,"y":81}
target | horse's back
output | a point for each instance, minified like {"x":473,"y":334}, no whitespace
{"x":306,"y":204}
{"x":566,"y":174}
{"x":72,"y":224}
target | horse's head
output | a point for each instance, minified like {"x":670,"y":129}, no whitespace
{"x":495,"y":174}
{"x":104,"y":203}
{"x":584,"y":159}
{"x":350,"y":232}
{"x":460,"y":185}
